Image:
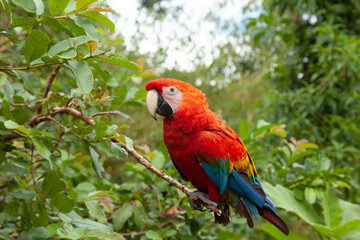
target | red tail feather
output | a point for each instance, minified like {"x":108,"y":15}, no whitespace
{"x":244,"y":212}
{"x":274,"y":219}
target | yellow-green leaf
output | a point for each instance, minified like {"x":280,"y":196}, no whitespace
{"x":306,"y":146}
{"x":81,"y":4}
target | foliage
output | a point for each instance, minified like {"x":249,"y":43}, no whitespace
{"x":315,"y":47}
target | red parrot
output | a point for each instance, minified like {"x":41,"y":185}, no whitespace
{"x":208,"y":153}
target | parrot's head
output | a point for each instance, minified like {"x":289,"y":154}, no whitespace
{"x":168,"y":97}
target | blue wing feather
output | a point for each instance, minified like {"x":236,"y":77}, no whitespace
{"x":218,"y":173}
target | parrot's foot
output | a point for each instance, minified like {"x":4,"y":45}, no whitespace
{"x":197,"y":199}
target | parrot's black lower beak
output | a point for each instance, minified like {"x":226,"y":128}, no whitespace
{"x":156,"y":104}
{"x":163,"y":107}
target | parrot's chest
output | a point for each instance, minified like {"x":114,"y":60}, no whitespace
{"x":182,"y":155}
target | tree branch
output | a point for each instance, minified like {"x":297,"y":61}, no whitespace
{"x":49,"y":64}
{"x":51,"y":80}
{"x":139,"y":158}
{"x":48,"y":86}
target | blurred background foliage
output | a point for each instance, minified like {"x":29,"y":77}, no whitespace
{"x":286,"y":77}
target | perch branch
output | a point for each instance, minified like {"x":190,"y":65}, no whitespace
{"x":139,"y":158}
{"x":166,"y":177}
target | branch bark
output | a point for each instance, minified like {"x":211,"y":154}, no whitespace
{"x":51,"y":80}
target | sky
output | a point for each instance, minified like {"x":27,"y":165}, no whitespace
{"x":191,"y":18}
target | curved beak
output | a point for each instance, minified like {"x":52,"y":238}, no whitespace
{"x":156,"y":104}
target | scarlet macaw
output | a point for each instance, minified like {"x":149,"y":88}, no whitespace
{"x":208,"y":153}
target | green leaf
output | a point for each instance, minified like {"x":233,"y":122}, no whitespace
{"x":69,"y":232}
{"x":20,"y":115}
{"x":51,"y":185}
{"x":39,"y":6}
{"x":96,"y":162}
{"x":299,"y":155}
{"x":151,"y":234}
{"x":117,"y":150}
{"x":13,"y":38}
{"x":129,"y":143}
{"x":31,"y":82}
{"x":262,"y":127}
{"x":81,"y":4}
{"x":63,"y":203}
{"x":10,"y":124}
{"x":140,"y":95}
{"x":306,"y":146}
{"x":100,"y":129}
{"x":285,"y":198}
{"x":42,"y":149}
{"x":52,"y":22}
{"x":121,"y":215}
{"x":6,"y":109}
{"x":89,"y":28}
{"x":332,"y":211}
{"x":96,"y":211}
{"x":341,"y":230}
{"x":310,"y":195}
{"x":99,"y":234}
{"x":100,"y":18}
{"x":278,"y":235}
{"x":28,"y":5}
{"x":117,"y":61}
{"x":83,"y":75}
{"x":159,"y":160}
{"x":91,"y":225}
{"x":36,"y":44}
{"x":67,"y":44}
{"x":69,"y":54}
{"x":21,"y":21}
{"x":244,"y":129}
{"x":57,"y":6}
{"x":6,"y":7}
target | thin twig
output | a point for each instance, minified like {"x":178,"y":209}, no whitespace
{"x":62,"y":110}
{"x":48,"y":86}
{"x":58,"y":123}
{"x":33,"y":176}
{"x":103,"y":113}
{"x":51,"y":80}
{"x":49,"y":64}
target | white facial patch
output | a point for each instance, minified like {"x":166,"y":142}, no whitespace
{"x":172,"y":96}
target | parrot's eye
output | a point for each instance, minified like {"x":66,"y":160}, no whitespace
{"x":172,"y":90}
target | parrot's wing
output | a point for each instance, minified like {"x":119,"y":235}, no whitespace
{"x":228,"y":144}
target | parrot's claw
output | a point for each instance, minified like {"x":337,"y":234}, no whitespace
{"x":197,"y":199}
